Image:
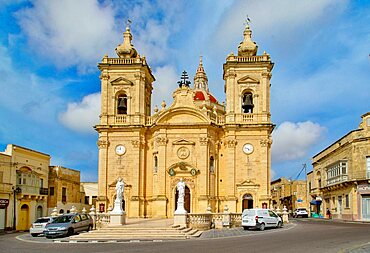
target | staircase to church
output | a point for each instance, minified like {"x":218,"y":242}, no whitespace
{"x":142,"y":231}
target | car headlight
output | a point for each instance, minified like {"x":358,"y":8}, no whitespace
{"x":62,"y":228}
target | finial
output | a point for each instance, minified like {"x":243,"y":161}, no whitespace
{"x":247,"y":21}
{"x":200,"y":59}
{"x":184,"y":80}
{"x":128,"y":24}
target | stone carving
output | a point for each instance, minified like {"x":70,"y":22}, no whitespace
{"x":203,"y":140}
{"x":103,"y":143}
{"x":231,"y":143}
{"x":161,"y":140}
{"x":120,"y":187}
{"x":183,"y":152}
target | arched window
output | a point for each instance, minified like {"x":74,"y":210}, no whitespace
{"x":122,"y":104}
{"x":247,"y":102}
{"x":211,"y":164}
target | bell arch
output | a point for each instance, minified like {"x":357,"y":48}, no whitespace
{"x":247,"y":101}
{"x":121,"y":103}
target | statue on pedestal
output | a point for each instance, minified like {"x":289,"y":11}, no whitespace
{"x":120,"y":187}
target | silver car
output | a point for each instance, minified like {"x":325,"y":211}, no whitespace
{"x":38,"y":227}
{"x":68,"y":224}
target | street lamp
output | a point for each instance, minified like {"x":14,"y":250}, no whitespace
{"x":16,"y":190}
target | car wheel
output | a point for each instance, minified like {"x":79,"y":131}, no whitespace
{"x":280,"y":224}
{"x":245,"y":228}
{"x":262,"y":226}
{"x":70,"y":232}
{"x":34,"y":235}
{"x":49,"y":237}
{"x":89,"y":228}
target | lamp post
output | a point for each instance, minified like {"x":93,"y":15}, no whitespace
{"x":16,"y":190}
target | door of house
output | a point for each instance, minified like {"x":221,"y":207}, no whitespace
{"x":2,"y":219}
{"x":339,"y":207}
{"x":23,"y":221}
{"x":366,"y":207}
{"x":39,"y":212}
{"x":186,"y":199}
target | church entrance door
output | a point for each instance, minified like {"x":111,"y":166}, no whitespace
{"x":186,"y":199}
{"x":247,"y":201}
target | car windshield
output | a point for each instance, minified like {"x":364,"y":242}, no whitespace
{"x":301,"y":209}
{"x":42,"y":220}
{"x":63,"y":219}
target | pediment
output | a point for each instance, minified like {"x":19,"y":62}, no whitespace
{"x":248,"y":79}
{"x":183,"y":142}
{"x":121,"y":81}
{"x":247,"y":183}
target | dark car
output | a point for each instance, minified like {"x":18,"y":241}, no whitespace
{"x":68,"y":224}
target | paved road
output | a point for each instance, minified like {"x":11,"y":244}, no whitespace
{"x":303,"y":235}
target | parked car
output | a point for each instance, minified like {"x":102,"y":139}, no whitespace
{"x":300,"y":212}
{"x":38,"y":227}
{"x":68,"y":224}
{"x":260,"y":219}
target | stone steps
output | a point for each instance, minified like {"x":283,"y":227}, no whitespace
{"x":127,"y":233}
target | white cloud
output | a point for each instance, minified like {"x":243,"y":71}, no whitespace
{"x":69,"y":32}
{"x":293,"y":140}
{"x":165,"y":84}
{"x":84,"y":115}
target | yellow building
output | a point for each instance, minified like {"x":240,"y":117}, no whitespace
{"x":341,"y":175}
{"x":65,"y":190}
{"x":289,"y":193}
{"x":6,"y":193}
{"x":25,"y":183}
{"x":222,"y":152}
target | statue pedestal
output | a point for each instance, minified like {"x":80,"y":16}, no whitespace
{"x":117,"y":207}
{"x":180,"y":219}
{"x":117,"y":219}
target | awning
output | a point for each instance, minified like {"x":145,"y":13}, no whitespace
{"x":315,"y":202}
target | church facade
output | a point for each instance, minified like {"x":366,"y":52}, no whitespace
{"x":221,"y":151}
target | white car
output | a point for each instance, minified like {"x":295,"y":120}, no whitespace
{"x":38,"y":227}
{"x":300,"y":212}
{"x":260,"y":219}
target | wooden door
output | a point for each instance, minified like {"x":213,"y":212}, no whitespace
{"x":23,"y":221}
{"x":187,"y":199}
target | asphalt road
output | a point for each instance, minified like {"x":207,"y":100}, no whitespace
{"x":302,"y":235}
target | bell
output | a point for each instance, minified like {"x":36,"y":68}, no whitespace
{"x":122,"y":104}
{"x":247,"y":100}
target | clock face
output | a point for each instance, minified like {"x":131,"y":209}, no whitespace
{"x":120,"y":150}
{"x":248,"y":148}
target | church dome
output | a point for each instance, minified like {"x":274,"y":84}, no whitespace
{"x":201,"y":95}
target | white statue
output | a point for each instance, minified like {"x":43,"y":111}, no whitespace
{"x":120,"y":187}
{"x":180,"y":200}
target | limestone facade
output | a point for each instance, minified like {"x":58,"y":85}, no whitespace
{"x":221,"y":151}
{"x":26,"y":177}
{"x":289,"y":193}
{"x":65,"y":190}
{"x":341,"y":175}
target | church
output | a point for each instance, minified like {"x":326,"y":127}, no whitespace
{"x":221,"y":151}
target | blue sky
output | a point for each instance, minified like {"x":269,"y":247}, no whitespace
{"x":50,"y":85}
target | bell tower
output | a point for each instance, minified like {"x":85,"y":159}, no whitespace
{"x":248,"y":125}
{"x":126,"y":89}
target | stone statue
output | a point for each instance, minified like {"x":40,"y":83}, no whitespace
{"x":120,"y":186}
{"x":181,"y":189}
{"x":180,"y":200}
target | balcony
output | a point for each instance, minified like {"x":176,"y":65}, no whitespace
{"x":44,"y":191}
{"x":337,"y":179}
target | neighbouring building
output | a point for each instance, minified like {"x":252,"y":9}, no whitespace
{"x":340,"y":180}
{"x":91,"y":192}
{"x":289,"y":193}
{"x":221,"y":151}
{"x":65,"y":190}
{"x":24,"y":174}
{"x":6,"y":193}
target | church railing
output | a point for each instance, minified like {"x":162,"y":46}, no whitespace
{"x":205,"y":221}
{"x":123,"y":61}
{"x":257,"y":58}
{"x":200,"y":221}
{"x":247,"y":118}
{"x":102,"y":220}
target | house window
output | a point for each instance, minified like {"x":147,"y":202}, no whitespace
{"x":64,"y":194}
{"x":51,"y":191}
{"x":368,"y":166}
{"x":122,"y":104}
{"x":41,"y":183}
{"x":347,"y":201}
{"x":86,"y":200}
